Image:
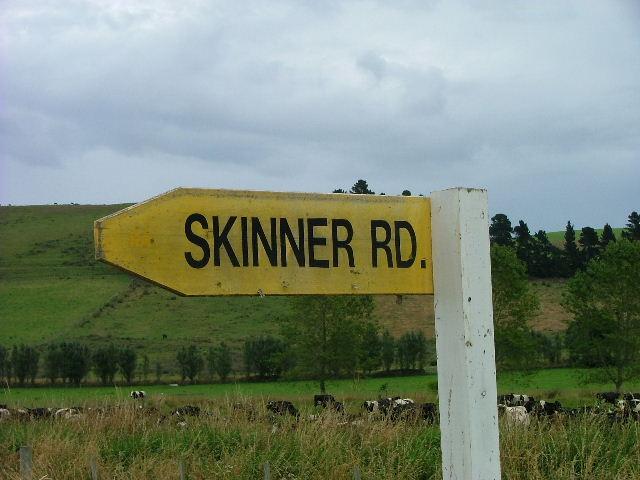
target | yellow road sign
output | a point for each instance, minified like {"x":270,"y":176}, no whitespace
{"x":229,"y":242}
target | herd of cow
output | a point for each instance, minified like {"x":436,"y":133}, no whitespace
{"x":516,"y":409}
{"x":615,"y":406}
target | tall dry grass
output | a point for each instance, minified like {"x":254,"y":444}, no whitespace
{"x":230,"y":444}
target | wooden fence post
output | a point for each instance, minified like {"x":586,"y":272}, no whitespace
{"x":356,"y":473}
{"x":26,"y":463}
{"x":267,"y":471}
{"x":93,"y":466}
{"x":181,"y":469}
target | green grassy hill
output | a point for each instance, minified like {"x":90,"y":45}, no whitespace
{"x":52,"y":289}
{"x":557,"y":238}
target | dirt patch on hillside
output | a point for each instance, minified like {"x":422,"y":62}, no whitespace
{"x":553,"y":317}
{"x":405,"y":313}
{"x":401,"y":314}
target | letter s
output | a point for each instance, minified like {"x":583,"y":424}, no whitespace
{"x":196,"y":240}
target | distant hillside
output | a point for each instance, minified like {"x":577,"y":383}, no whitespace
{"x":52,"y":289}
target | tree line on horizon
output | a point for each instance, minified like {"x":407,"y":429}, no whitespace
{"x":543,"y":259}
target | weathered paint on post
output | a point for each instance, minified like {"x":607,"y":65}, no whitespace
{"x":230,"y":242}
{"x":464,"y":335}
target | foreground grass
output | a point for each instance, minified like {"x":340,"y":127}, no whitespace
{"x":228,"y":444}
{"x":564,"y":384}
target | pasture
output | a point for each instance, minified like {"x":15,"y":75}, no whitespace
{"x":226,"y":442}
{"x":127,"y":441}
{"x":565,"y":384}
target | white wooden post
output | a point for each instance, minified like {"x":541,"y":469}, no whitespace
{"x":464,"y":335}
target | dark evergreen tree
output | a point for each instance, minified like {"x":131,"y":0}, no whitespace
{"x":339,"y":190}
{"x":546,"y":259}
{"x":607,"y":236}
{"x":590,"y":243}
{"x":632,"y":230}
{"x":573,"y":259}
{"x":500,"y":230}
{"x":406,"y":193}
{"x":525,"y":245}
{"x":361,"y":187}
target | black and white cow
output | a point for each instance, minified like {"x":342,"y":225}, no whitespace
{"x":608,"y":397}
{"x":517,"y":415}
{"x":325,"y":401}
{"x":5,"y":413}
{"x":402,"y":407}
{"x":72,"y":413}
{"x":371,"y":406}
{"x":39,"y":413}
{"x":515,"y":399}
{"x":548,"y":409}
{"x":429,"y":412}
{"x":386,"y":404}
{"x":282,"y":407}
{"x":187,"y":410}
{"x":137,"y":394}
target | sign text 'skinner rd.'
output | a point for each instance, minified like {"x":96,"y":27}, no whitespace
{"x":284,"y":245}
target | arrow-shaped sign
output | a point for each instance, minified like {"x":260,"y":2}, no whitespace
{"x":227,"y":242}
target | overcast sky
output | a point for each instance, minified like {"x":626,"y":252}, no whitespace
{"x":539,"y":102}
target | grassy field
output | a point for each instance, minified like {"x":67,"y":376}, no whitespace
{"x":51,"y":289}
{"x":565,"y":384}
{"x":231,"y":447}
{"x":127,"y":442}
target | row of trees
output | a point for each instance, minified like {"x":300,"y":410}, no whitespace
{"x":69,"y":362}
{"x":265,"y":357}
{"x":218,"y":361}
{"x":543,"y":259}
{"x":269,"y":357}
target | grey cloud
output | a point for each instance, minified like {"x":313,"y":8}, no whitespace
{"x":292,"y":96}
